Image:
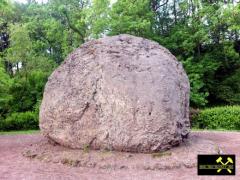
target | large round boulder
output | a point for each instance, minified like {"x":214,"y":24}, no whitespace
{"x":121,"y":93}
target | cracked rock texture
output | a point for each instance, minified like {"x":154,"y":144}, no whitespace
{"x":121,"y":93}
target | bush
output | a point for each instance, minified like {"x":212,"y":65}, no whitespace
{"x":20,"y":121}
{"x":226,"y":117}
{"x":25,"y":92}
{"x":193,"y":113}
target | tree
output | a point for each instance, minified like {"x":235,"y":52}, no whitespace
{"x":72,"y":14}
{"x":5,"y":83}
{"x":35,"y":38}
{"x":98,"y":18}
{"x":19,"y":51}
{"x":131,"y":17}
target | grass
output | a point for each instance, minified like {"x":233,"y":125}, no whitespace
{"x":19,"y":132}
{"x":70,"y":162}
{"x":220,"y":130}
{"x":86,"y":148}
{"x":161,"y":154}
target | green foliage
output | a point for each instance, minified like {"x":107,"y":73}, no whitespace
{"x":26,"y":92}
{"x":72,"y":15}
{"x":20,"y":44}
{"x":195,"y":75}
{"x":5,"y":11}
{"x":16,"y":132}
{"x":19,"y":121}
{"x":35,"y":38}
{"x":226,"y":117}
{"x":229,"y":89}
{"x":98,"y":18}
{"x":131,"y":17}
{"x":5,"y":83}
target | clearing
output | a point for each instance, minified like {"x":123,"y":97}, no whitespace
{"x":14,"y":166}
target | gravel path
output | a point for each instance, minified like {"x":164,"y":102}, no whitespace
{"x":13,"y":166}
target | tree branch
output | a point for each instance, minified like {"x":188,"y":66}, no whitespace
{"x":73,"y":27}
{"x":156,"y":4}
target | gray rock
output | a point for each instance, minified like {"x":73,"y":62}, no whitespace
{"x":121,"y":93}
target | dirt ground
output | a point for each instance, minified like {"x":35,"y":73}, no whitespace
{"x":14,"y":166}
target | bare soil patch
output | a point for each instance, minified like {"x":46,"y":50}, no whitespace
{"x":13,"y":165}
{"x":184,"y":155}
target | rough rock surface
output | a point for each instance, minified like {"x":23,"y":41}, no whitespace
{"x":121,"y":93}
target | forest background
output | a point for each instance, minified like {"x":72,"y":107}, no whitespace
{"x":36,"y":37}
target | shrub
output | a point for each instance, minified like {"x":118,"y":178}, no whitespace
{"x":226,"y":117}
{"x":20,"y":121}
{"x":193,"y":113}
{"x":25,"y":92}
